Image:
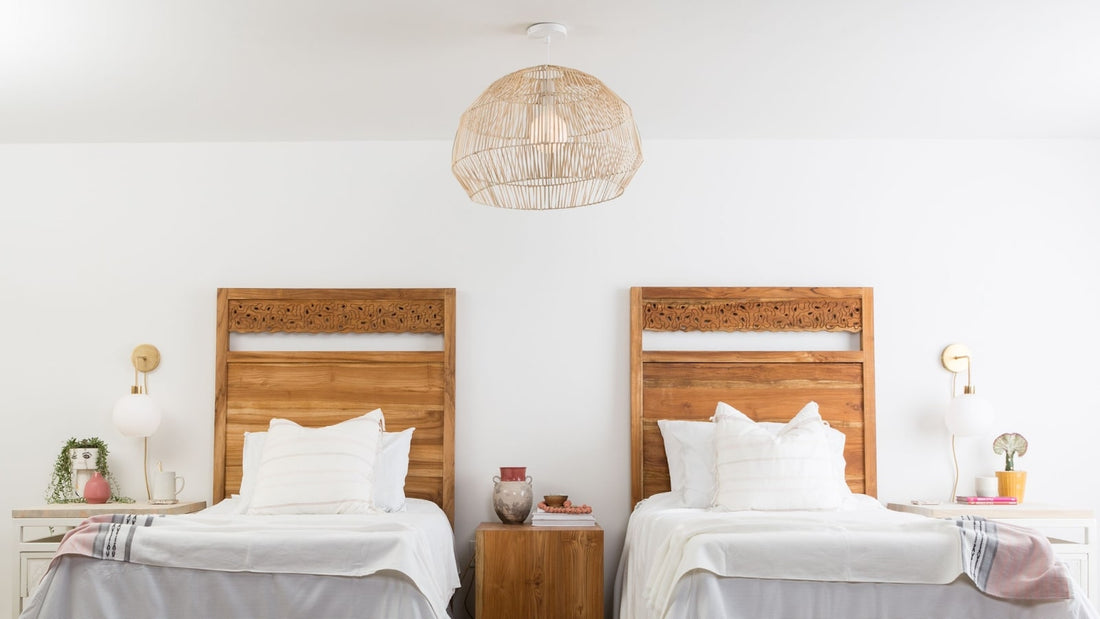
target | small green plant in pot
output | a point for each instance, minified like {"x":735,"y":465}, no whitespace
{"x":62,"y":488}
{"x":1011,"y":482}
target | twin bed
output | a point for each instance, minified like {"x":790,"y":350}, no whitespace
{"x":767,"y":510}
{"x":298,"y":560}
{"x":798,"y":533}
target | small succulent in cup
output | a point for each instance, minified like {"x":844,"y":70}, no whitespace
{"x":1011,"y":445}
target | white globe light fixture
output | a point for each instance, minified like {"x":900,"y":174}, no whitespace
{"x":968,"y":414}
{"x":137,"y":414}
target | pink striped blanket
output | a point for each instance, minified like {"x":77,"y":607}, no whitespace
{"x":1011,"y":562}
{"x":108,"y":536}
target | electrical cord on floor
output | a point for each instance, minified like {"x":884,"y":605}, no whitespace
{"x":466,"y":590}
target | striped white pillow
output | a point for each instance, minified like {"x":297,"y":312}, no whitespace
{"x":790,"y":469}
{"x":326,"y":470}
{"x":835,"y":438}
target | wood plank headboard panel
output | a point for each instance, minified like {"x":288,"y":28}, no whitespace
{"x":765,"y":385}
{"x":414,"y":388}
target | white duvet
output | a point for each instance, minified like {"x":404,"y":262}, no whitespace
{"x":861,"y":542}
{"x":417,"y":543}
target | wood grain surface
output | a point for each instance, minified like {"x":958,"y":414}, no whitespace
{"x":765,"y":385}
{"x":320,"y":388}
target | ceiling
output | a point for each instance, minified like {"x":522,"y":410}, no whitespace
{"x":290,"y":70}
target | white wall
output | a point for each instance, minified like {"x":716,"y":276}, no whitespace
{"x":990,"y":244}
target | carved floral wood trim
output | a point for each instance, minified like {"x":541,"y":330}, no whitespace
{"x":406,"y":316}
{"x":778,"y":315}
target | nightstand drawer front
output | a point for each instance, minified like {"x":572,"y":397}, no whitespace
{"x":539,"y":573}
{"x":1078,"y":565}
{"x":32,"y":566}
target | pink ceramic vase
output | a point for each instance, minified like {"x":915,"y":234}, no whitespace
{"x":96,"y":490}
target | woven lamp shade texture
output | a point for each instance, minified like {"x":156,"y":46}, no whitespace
{"x":546,"y":137}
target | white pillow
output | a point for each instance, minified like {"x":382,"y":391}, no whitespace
{"x":392,"y":467}
{"x":835,"y":437}
{"x":326,"y":470}
{"x":250,"y":464}
{"x":389,"y":474}
{"x":689,"y":448}
{"x":794,"y":468}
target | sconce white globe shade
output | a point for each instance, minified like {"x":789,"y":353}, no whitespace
{"x":136,"y":414}
{"x":969,"y":415}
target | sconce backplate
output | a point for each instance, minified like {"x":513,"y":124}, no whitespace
{"x":145,"y":357}
{"x":955,"y":358}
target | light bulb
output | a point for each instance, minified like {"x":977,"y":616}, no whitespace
{"x":969,"y":415}
{"x":547,"y":126}
{"x":136,"y":414}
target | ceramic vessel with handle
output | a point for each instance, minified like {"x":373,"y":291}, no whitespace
{"x":512,"y":500}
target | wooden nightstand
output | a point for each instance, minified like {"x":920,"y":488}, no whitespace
{"x":539,"y":572}
{"x":38,"y":531}
{"x":1072,"y":532}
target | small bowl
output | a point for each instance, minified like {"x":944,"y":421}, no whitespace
{"x":555,"y":500}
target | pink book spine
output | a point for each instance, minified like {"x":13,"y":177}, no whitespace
{"x":987,"y":500}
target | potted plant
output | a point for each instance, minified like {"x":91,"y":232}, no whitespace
{"x":64,"y":486}
{"x":1011,"y":482}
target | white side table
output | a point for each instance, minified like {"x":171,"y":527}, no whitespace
{"x":38,"y":531}
{"x":1071,"y":531}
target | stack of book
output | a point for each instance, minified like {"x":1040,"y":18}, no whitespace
{"x":986,"y":500}
{"x":561,"y":519}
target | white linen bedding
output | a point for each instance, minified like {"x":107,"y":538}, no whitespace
{"x":412,"y":552}
{"x":703,"y":594}
{"x":85,"y":588}
{"x":673,"y":553}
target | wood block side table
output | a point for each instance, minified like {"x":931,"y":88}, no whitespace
{"x":539,"y":572}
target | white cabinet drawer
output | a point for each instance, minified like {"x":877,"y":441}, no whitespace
{"x":1078,"y":565}
{"x":32,"y":566}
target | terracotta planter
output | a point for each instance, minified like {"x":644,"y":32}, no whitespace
{"x":1011,"y":483}
{"x":513,"y":473}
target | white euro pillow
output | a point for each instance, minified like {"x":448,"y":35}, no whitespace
{"x":790,"y":469}
{"x":836,"y":438}
{"x":389,"y":476}
{"x":327,"y":470}
{"x":689,"y":448}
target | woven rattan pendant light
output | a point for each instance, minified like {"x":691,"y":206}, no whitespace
{"x":546,"y":137}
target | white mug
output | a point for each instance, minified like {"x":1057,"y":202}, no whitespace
{"x":985,"y":486}
{"x":166,"y":486}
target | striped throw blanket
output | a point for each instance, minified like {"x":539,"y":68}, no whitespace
{"x":108,"y":536}
{"x":417,"y":543}
{"x":1011,"y":562}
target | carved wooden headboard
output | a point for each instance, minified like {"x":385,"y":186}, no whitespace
{"x":765,"y":385}
{"x":414,"y":388}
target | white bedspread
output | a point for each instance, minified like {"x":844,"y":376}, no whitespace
{"x":861,"y":542}
{"x":417,"y":543}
